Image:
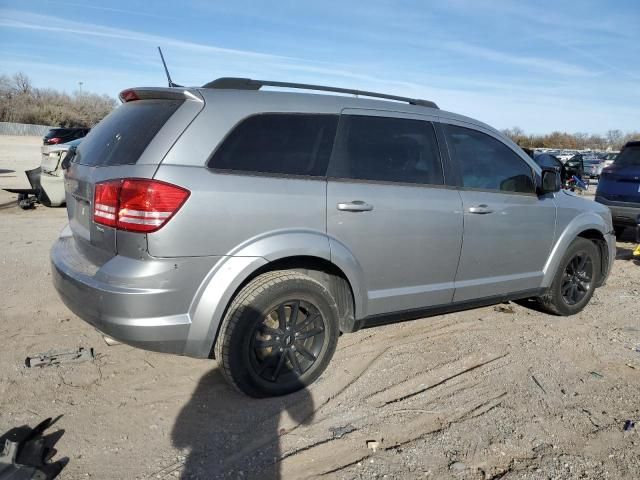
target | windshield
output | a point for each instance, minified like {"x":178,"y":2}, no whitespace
{"x":629,"y":156}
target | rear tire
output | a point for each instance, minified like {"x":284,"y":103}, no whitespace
{"x":278,"y":334}
{"x":575,"y":280}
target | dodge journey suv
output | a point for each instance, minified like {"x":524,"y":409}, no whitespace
{"x":255,"y":227}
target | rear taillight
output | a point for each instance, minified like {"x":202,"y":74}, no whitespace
{"x":54,"y":141}
{"x":136,"y":204}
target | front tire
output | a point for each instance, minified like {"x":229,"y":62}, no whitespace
{"x":278,"y":335}
{"x":575,"y":280}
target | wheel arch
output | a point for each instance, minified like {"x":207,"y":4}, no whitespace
{"x":589,"y":226}
{"x":278,"y":251}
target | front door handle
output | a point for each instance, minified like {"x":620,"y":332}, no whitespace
{"x":480,"y":209}
{"x":355,"y":206}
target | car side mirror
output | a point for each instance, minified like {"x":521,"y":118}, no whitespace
{"x":549,"y":181}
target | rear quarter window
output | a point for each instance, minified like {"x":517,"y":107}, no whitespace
{"x":122,"y":136}
{"x":278,"y":143}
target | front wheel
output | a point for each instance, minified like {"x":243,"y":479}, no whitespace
{"x":575,"y":280}
{"x":278,"y":335}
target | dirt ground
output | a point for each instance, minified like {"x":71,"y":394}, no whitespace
{"x":479,"y":394}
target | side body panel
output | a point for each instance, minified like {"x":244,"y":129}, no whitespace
{"x":408,"y":245}
{"x":505,"y":250}
{"x":575,"y":216}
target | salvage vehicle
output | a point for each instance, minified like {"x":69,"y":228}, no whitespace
{"x":619,"y":188}
{"x":257,"y":226}
{"x":57,"y":136}
{"x":575,"y":166}
{"x":609,"y":158}
{"x":593,"y":167}
{"x":47,"y":181}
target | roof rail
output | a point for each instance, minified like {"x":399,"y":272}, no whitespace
{"x":234,"y":83}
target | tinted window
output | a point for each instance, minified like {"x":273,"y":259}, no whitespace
{"x":122,"y":136}
{"x":291,"y":144}
{"x":387,"y":149}
{"x":486,"y":163}
{"x":629,"y":156}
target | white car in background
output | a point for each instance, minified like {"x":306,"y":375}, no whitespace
{"x":52,"y":178}
{"x":47,"y":180}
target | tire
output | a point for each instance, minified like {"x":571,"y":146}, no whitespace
{"x":574,"y":282}
{"x":258,"y":354}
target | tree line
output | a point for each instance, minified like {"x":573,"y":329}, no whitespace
{"x":21,"y":102}
{"x":613,"y":139}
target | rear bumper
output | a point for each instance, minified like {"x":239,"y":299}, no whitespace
{"x":121,"y":298}
{"x":622,"y":213}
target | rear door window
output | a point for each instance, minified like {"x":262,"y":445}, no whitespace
{"x":123,"y":135}
{"x":387,"y":149}
{"x":485,"y":163}
{"x":279,"y":143}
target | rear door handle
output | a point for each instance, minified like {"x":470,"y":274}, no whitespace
{"x":480,"y":209}
{"x":355,"y":206}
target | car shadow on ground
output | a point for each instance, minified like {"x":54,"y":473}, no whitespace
{"x":230,"y":435}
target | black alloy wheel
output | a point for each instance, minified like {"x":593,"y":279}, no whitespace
{"x":577,"y":278}
{"x":286,"y":343}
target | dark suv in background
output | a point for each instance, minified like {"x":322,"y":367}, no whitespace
{"x":56,"y":136}
{"x":619,"y":187}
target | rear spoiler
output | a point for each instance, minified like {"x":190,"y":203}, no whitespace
{"x":148,"y":93}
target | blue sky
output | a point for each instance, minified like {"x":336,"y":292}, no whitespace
{"x":540,"y":65}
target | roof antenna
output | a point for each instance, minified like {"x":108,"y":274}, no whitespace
{"x":166,"y":70}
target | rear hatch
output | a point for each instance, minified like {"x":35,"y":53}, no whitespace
{"x":620,"y":182}
{"x":129,"y":143}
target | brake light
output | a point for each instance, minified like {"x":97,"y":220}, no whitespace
{"x":54,"y":141}
{"x":128,"y":96}
{"x":137,"y":204}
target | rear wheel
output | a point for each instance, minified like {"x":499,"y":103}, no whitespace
{"x":575,"y":280}
{"x":278,"y":335}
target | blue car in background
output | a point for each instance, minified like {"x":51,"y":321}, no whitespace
{"x":619,"y":188}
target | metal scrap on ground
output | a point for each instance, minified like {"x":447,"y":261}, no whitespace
{"x":57,"y":357}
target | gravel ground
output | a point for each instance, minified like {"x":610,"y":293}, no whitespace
{"x":486,"y":393}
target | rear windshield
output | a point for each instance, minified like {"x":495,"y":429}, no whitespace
{"x":122,"y":136}
{"x":629,"y":156}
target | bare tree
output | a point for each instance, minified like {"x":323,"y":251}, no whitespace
{"x":21,"y":102}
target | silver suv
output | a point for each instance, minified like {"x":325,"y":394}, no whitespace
{"x":257,"y":226}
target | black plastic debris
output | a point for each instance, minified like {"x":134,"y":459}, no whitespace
{"x":54,"y":357}
{"x":27,"y":453}
{"x":338,"y":432}
{"x":628,"y":425}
